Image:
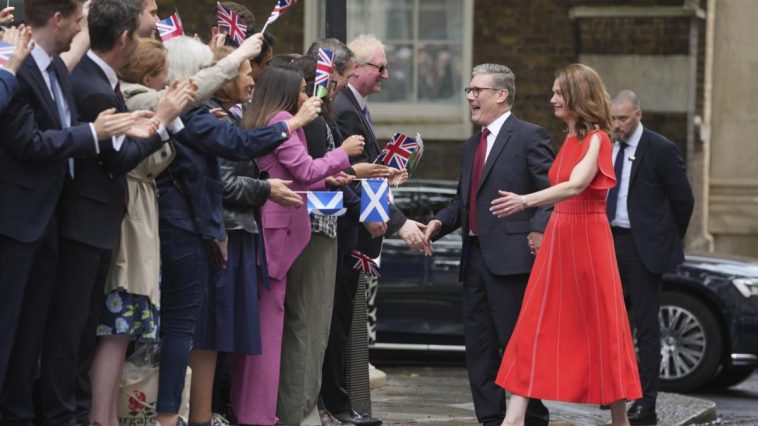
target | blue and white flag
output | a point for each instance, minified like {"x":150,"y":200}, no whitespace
{"x":375,"y":200}
{"x":325,"y":203}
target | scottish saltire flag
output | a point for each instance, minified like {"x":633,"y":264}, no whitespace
{"x":375,"y":200}
{"x":229,"y":22}
{"x":324,"y":67}
{"x":279,"y":9}
{"x":170,"y":27}
{"x":6,"y":51}
{"x":325,"y":203}
{"x":397,"y":151}
{"x":365,"y":264}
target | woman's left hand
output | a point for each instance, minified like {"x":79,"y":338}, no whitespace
{"x":339,"y":179}
{"x":508,"y":204}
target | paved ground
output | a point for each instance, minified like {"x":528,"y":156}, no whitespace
{"x":440,"y":396}
{"x":737,"y":405}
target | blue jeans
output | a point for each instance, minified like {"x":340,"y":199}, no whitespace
{"x":184,"y":277}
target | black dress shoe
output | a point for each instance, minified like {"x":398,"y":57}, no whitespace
{"x":640,"y":415}
{"x":357,"y":418}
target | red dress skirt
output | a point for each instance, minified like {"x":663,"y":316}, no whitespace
{"x":572,"y":340}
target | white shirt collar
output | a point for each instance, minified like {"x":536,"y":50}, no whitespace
{"x":496,"y":125}
{"x":362,"y":101}
{"x":109,"y":72}
{"x":41,"y":58}
{"x":634,"y":139}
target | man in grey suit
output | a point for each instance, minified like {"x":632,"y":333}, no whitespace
{"x":512,"y":155}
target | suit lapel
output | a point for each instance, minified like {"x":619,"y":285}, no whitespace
{"x":371,"y":143}
{"x":502,"y":139}
{"x":40,"y":88}
{"x":639,"y":153}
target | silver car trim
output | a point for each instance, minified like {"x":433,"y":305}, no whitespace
{"x":417,"y":347}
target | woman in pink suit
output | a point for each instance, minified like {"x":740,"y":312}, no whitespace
{"x":286,"y":231}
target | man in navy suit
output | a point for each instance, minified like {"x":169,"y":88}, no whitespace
{"x":511,"y":155}
{"x":39,"y":132}
{"x":649,"y":211}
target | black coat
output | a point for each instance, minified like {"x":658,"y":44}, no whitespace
{"x":351,"y":121}
{"x":33,"y":152}
{"x":93,"y":203}
{"x":659,"y":202}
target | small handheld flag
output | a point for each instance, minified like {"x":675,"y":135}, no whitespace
{"x":397,"y":151}
{"x":6,"y":51}
{"x":365,"y":264}
{"x":375,"y":202}
{"x":228,"y":21}
{"x":170,"y":27}
{"x":324,"y":67}
{"x":325,"y":203}
{"x":279,"y":8}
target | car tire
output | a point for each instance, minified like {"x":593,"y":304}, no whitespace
{"x":691,"y":343}
{"x":729,"y":377}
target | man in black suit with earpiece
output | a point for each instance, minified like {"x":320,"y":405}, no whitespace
{"x":649,"y":210}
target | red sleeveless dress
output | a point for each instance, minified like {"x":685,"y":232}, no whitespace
{"x":572,"y":340}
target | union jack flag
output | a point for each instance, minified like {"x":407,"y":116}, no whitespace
{"x":397,"y":151}
{"x":279,"y":9}
{"x":6,"y":51}
{"x":324,"y":68}
{"x":365,"y":264}
{"x":170,"y":27}
{"x":231,"y":23}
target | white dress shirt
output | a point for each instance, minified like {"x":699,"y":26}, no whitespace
{"x":622,"y":213}
{"x":494,"y":129}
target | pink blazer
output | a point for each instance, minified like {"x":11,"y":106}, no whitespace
{"x":287,"y":230}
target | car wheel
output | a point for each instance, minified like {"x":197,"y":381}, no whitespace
{"x":730,"y":377}
{"x":691,"y":343}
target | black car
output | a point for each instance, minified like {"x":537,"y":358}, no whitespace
{"x":708,"y":315}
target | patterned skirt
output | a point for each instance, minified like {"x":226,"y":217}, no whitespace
{"x":128,"y":314}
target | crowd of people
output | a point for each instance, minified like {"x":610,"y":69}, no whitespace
{"x":152,"y":192}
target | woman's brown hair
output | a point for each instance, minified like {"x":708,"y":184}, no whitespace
{"x":277,"y":89}
{"x":149,"y":59}
{"x":585,"y":98}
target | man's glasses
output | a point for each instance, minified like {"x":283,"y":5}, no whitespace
{"x":475,"y":90}
{"x":380,"y":68}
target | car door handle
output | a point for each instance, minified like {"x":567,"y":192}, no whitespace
{"x":447,"y":264}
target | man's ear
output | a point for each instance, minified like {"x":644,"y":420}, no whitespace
{"x":56,"y":19}
{"x":502,"y":96}
{"x":123,"y":39}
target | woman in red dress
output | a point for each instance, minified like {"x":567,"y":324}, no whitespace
{"x":572,"y":340}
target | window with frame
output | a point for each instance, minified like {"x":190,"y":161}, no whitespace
{"x":428,"y":48}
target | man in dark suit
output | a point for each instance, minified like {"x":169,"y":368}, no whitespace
{"x":89,"y":214}
{"x":350,"y":109}
{"x":39,"y":133}
{"x":649,"y":211}
{"x":512,"y":155}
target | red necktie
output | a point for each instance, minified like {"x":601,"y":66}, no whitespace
{"x":476,"y":177}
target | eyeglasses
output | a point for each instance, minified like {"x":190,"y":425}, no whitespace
{"x":380,"y":68}
{"x":476,"y":90}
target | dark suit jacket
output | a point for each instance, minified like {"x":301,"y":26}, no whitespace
{"x":93,"y":203}
{"x":350,"y":120}
{"x":8,"y":88}
{"x":33,"y":152}
{"x":518,"y":162}
{"x":659,"y":203}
